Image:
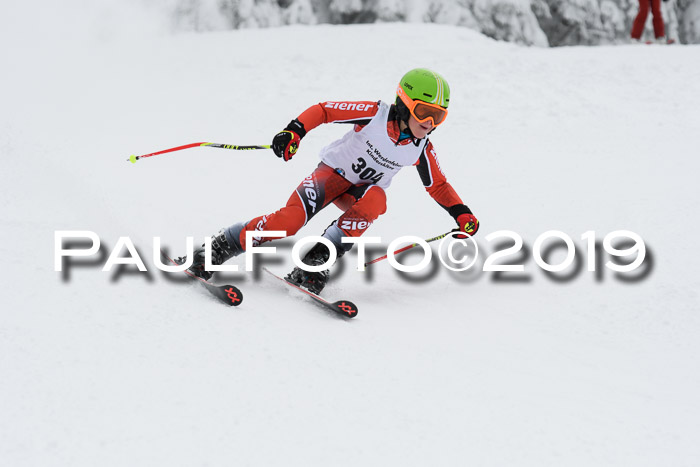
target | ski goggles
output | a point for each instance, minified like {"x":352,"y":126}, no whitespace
{"x":423,"y":111}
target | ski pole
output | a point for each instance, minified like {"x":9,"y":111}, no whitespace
{"x":408,"y":248}
{"x":133,"y":158}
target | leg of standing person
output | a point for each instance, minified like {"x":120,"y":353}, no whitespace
{"x":640,"y":20}
{"x":658,"y":19}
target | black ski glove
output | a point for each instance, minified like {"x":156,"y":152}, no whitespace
{"x":286,"y":143}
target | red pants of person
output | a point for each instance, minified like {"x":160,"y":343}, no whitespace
{"x":641,"y":19}
{"x":362,"y":205}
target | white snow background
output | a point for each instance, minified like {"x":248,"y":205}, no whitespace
{"x":131,"y":369}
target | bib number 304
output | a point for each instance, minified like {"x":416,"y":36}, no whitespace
{"x":366,"y":173}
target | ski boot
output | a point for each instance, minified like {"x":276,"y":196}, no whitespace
{"x":221,"y":251}
{"x":314,"y":282}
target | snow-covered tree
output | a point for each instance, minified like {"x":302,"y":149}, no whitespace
{"x":352,"y":11}
{"x":252,"y":13}
{"x":456,"y":13}
{"x":299,"y":12}
{"x":509,"y":20}
{"x":689,"y":21}
{"x":391,"y":10}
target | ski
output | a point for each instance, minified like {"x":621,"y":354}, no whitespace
{"x":344,"y":308}
{"x":227,"y":294}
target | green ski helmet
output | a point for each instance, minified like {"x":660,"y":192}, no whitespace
{"x":419,"y":87}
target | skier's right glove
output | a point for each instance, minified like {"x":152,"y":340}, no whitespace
{"x":466,"y":221}
{"x":286,"y":143}
{"x":468,"y":224}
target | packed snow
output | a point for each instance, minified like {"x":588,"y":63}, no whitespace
{"x":439,"y":368}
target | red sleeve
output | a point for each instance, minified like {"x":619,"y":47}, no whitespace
{"x":359,"y":112}
{"x":434,"y":179}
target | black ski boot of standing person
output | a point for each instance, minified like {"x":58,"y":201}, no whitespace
{"x":314,"y":282}
{"x":221,"y":251}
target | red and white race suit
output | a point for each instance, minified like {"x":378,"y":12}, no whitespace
{"x":355,"y":170}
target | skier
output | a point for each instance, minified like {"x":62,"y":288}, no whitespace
{"x":354,"y":173}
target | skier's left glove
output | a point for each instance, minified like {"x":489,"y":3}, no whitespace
{"x":286,"y":143}
{"x":466,"y":221}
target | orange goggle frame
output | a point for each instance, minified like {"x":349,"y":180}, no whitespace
{"x":423,"y":111}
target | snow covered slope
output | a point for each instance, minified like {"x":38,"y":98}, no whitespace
{"x":136,"y":369}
